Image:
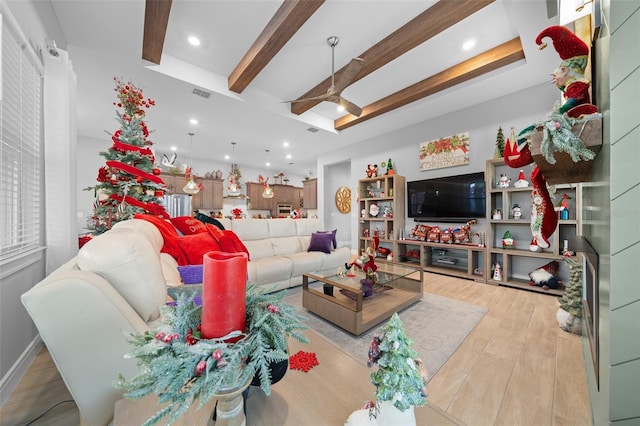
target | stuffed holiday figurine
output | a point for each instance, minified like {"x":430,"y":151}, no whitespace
{"x":543,"y":217}
{"x":569,"y":76}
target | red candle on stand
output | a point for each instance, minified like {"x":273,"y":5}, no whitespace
{"x":224,"y":286}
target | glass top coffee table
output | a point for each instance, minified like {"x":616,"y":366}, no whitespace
{"x":341,"y":300}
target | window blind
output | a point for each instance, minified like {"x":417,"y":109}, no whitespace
{"x":20,"y":146}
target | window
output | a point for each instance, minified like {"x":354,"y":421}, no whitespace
{"x":20,"y":145}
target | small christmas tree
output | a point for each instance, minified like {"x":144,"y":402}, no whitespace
{"x":390,"y":170}
{"x":571,"y":299}
{"x":499,"y":152}
{"x":400,"y":377}
{"x":128,"y":182}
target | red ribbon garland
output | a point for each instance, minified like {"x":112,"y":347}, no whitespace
{"x":134,"y":171}
{"x":155,"y":209}
{"x":124,"y":147}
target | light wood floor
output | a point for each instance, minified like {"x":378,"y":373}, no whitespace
{"x":517,"y":367}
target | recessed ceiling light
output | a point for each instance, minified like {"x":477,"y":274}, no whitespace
{"x":340,"y":108}
{"x":194,"y":41}
{"x":288,"y":156}
{"x":193,"y":121}
{"x":268,"y":164}
{"x":174,"y":148}
{"x":285,"y":144}
{"x":469,"y":44}
{"x":227,"y":157}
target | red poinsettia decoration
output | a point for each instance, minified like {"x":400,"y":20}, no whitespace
{"x":303,"y":361}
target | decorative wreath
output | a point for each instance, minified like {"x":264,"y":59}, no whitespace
{"x":180,"y":367}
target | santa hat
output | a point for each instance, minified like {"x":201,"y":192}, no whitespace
{"x":571,"y":49}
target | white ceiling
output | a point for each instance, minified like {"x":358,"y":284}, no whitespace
{"x":104,"y":39}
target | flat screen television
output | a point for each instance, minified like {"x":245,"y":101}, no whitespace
{"x":447,"y":199}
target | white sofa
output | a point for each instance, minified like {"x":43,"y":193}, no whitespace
{"x":118,"y":281}
{"x":278,"y":250}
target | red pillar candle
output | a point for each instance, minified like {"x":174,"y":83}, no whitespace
{"x":224,"y":279}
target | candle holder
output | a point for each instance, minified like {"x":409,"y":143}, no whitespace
{"x":219,"y":366}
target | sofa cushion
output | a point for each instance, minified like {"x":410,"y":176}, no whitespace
{"x":145,"y":228}
{"x":196,"y":246}
{"x":259,"y":249}
{"x":307,"y":226}
{"x":286,"y":245}
{"x":170,"y":270}
{"x":270,"y":270}
{"x":305,"y":263}
{"x":320,"y":242}
{"x":250,"y":229}
{"x":282,"y":228}
{"x":128,"y":261}
{"x":188,"y":225}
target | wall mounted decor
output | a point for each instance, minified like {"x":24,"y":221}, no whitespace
{"x":445,"y":152}
{"x":343,"y":199}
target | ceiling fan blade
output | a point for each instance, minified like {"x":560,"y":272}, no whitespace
{"x":315,"y":98}
{"x":156,"y":19}
{"x":350,"y":107}
{"x":345,"y":78}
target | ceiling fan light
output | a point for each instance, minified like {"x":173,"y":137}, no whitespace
{"x":191,"y":187}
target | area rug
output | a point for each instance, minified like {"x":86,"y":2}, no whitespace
{"x":437,"y":326}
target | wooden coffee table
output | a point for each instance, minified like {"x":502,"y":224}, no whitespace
{"x":346,"y":307}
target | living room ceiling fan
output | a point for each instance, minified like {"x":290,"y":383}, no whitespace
{"x":343,"y":81}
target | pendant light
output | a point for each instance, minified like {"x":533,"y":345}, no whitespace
{"x":191,"y":187}
{"x":268,"y":191}
{"x":234,"y":186}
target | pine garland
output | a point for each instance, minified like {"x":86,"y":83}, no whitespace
{"x":571,"y":299}
{"x":559,"y":137}
{"x":180,"y":368}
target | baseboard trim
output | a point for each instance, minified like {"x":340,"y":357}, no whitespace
{"x":18,"y":369}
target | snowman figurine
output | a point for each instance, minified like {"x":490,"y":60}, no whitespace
{"x":517,"y":213}
{"x":504,"y":181}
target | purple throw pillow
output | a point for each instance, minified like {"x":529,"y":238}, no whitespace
{"x":320,"y":242}
{"x":333,"y":237}
{"x":190,"y":274}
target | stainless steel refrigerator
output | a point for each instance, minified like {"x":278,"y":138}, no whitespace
{"x":177,"y":204}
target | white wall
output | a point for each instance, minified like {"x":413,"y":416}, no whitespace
{"x":519,"y":110}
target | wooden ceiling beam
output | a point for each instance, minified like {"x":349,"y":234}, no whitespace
{"x":504,"y":54}
{"x":156,"y":19}
{"x":428,"y":24}
{"x":287,"y":20}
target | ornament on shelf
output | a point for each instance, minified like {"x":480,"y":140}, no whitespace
{"x":507,"y":241}
{"x":504,"y":181}
{"x":516,"y":211}
{"x":563,"y":207}
{"x":374,"y":210}
{"x":497,"y":271}
{"x":496,"y":214}
{"x":499,"y":152}
{"x":522,"y":182}
{"x":372,"y":170}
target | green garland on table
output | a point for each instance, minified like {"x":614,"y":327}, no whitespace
{"x":558,"y":136}
{"x":180,"y":368}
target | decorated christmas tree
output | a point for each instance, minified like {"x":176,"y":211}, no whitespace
{"x":128,"y":183}
{"x":499,"y":152}
{"x":400,"y":377}
{"x":571,"y":299}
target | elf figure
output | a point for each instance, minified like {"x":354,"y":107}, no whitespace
{"x":569,"y":76}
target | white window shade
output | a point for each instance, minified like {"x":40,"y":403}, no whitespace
{"x":20,"y":146}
